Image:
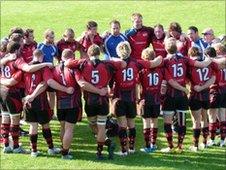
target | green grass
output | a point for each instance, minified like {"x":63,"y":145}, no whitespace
{"x":58,"y":15}
{"x":84,"y":148}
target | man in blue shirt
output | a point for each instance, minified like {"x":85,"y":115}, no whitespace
{"x":47,"y":47}
{"x":196,"y":41}
{"x":112,"y":40}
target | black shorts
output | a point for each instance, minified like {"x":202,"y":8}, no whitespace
{"x":39,"y":116}
{"x":50,"y":89}
{"x":175,"y":103}
{"x":13,"y":102}
{"x":124,"y":108}
{"x":68,"y":115}
{"x":195,"y":104}
{"x":94,"y":110}
{"x":151,"y":111}
{"x":215,"y":100}
{"x":223,"y":100}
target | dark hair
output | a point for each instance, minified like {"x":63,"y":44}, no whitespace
{"x":115,"y":22}
{"x":193,"y":51}
{"x":16,"y":30}
{"x":195,"y":29}
{"x":16,"y":37}
{"x":159,"y":26}
{"x":174,"y":26}
{"x":27,"y":32}
{"x":12,"y":46}
{"x":91,"y":24}
{"x":211,"y":52}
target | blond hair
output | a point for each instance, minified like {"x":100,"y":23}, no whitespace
{"x":48,"y":32}
{"x":67,"y":53}
{"x":123,"y":50}
{"x":170,"y":45}
{"x":148,"y":54}
{"x":37,"y":53}
{"x":93,"y":50}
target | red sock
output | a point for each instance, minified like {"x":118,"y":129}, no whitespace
{"x":48,"y":137}
{"x":169,"y":134}
{"x":146,"y":133}
{"x":5,"y":133}
{"x":154,"y":132}
{"x":212,"y":130}
{"x":223,"y":129}
{"x":33,"y":142}
{"x":15,"y":133}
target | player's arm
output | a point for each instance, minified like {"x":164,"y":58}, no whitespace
{"x":92,"y":89}
{"x":6,"y":59}
{"x":117,"y":62}
{"x":57,"y":86}
{"x":34,"y":67}
{"x":41,"y":87}
{"x":156,"y":62}
{"x":221,"y":62}
{"x":201,"y":64}
{"x":206,"y":85}
{"x":9,"y":82}
{"x":177,"y":86}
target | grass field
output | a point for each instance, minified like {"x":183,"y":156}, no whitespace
{"x":59,"y":15}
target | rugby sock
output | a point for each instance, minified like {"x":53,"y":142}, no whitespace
{"x":123,"y":138}
{"x":146,"y":133}
{"x":169,"y":134}
{"x":154,"y":132}
{"x":196,"y":134}
{"x":205,"y":134}
{"x":107,"y":142}
{"x":64,"y":151}
{"x":48,"y":137}
{"x":33,"y":140}
{"x":5,"y":133}
{"x":132,"y":137}
{"x":15,"y":133}
{"x":181,"y":135}
{"x":100,"y":146}
{"x":223,"y":129}
{"x":212,"y":130}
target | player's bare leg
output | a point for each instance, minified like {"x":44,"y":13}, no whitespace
{"x":62,"y":130}
{"x":168,"y":117}
{"x":101,"y":123}
{"x":222,"y":119}
{"x":93,"y":124}
{"x":67,"y":137}
{"x":212,"y":114}
{"x":52,"y":100}
{"x":204,"y":126}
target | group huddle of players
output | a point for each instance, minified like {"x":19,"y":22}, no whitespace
{"x":145,"y":71}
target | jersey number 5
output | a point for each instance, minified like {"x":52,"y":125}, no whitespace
{"x":95,"y":77}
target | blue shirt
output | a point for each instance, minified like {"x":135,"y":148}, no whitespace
{"x":201,"y":45}
{"x":49,"y":51}
{"x":110,"y":44}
